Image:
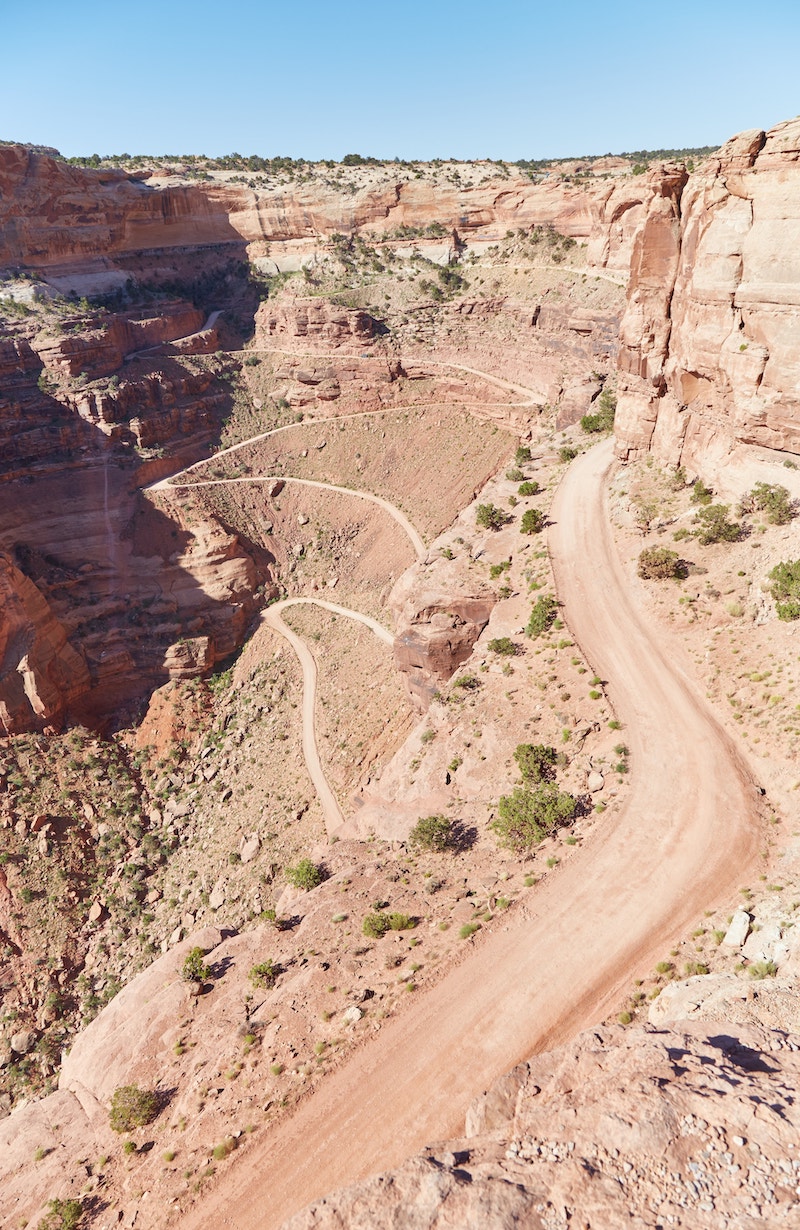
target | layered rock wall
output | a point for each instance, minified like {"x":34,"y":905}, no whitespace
{"x":710,"y":340}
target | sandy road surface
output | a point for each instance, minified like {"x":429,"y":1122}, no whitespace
{"x":683,"y":842}
{"x":272,"y":617}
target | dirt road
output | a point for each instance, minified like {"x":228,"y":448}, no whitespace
{"x":331,"y":810}
{"x":685,"y":840}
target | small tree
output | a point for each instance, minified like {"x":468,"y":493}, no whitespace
{"x":526,"y":817}
{"x":658,"y":563}
{"x":265,"y":974}
{"x":305,"y":875}
{"x":432,"y":833}
{"x":194,"y":968}
{"x":603,"y":418}
{"x":785,"y":579}
{"x":701,"y":494}
{"x":502,"y":645}
{"x":770,"y":499}
{"x":522,"y":454}
{"x":132,"y":1107}
{"x":62,"y":1215}
{"x":713,"y":525}
{"x":536,"y":761}
{"x":533,"y":521}
{"x":489,"y":517}
{"x":542,"y":616}
{"x":531,"y":487}
{"x":376,"y":925}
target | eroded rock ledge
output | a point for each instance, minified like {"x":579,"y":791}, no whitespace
{"x":695,"y":1126}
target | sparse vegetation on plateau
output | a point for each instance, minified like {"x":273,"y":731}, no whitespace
{"x":785,"y":578}
{"x":526,"y":816}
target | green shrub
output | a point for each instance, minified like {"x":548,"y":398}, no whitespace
{"x":522,"y":454}
{"x":567,"y":453}
{"x":536,"y":761}
{"x":542,"y":616}
{"x":762,"y":969}
{"x":224,"y":1149}
{"x":401,"y":922}
{"x":194,"y":968}
{"x":701,"y":494}
{"x":532,"y":521}
{"x":376,"y":925}
{"x":305,"y":875}
{"x":132,"y":1107}
{"x":528,"y":488}
{"x":785,"y":579}
{"x":514,"y":475}
{"x":603,"y":418}
{"x":62,"y":1215}
{"x":469,"y":683}
{"x":527,"y":816}
{"x":502,"y":645}
{"x":771,"y":499}
{"x":714,"y":526}
{"x":659,"y":563}
{"x":265,"y":974}
{"x":468,"y":929}
{"x":489,"y":517}
{"x":432,"y":833}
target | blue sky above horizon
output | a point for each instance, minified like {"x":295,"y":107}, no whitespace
{"x":421,"y":80}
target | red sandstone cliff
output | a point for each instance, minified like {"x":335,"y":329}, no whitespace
{"x":711,"y":336}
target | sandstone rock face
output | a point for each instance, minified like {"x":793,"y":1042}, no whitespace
{"x":711,"y":335}
{"x":619,"y":1128}
{"x":314,"y":318}
{"x":437,"y":623}
{"x":40,"y":671}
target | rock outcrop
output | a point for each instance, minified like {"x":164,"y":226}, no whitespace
{"x":437,"y":622}
{"x":711,"y":335}
{"x":694,"y":1127}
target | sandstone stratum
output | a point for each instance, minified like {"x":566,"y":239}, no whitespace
{"x":399,"y":733}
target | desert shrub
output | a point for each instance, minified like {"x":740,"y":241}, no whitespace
{"x":194,"y":968}
{"x":305,"y":875}
{"x":224,"y":1149}
{"x":770,"y":499}
{"x":432,"y":833}
{"x":785,"y":579}
{"x":62,"y":1215}
{"x":532,"y":521}
{"x":132,"y":1107}
{"x":468,"y":929}
{"x":567,"y":453}
{"x":762,"y":969}
{"x":701,"y":494}
{"x":401,"y":922}
{"x":536,"y":762}
{"x":658,"y":563}
{"x":603,"y":418}
{"x":527,"y":816}
{"x":265,"y":974}
{"x":713,"y":525}
{"x":489,"y":517}
{"x":469,"y":683}
{"x":522,"y":454}
{"x":542,"y":616}
{"x":514,"y":475}
{"x":502,"y":645}
{"x":376,"y":925}
{"x":530,"y":487}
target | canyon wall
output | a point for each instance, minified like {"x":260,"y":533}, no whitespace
{"x":710,"y":339}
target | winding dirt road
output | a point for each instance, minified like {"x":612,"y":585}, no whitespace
{"x":334,"y":818}
{"x":685,"y":839}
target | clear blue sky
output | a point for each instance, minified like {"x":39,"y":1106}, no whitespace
{"x":411,"y":79}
